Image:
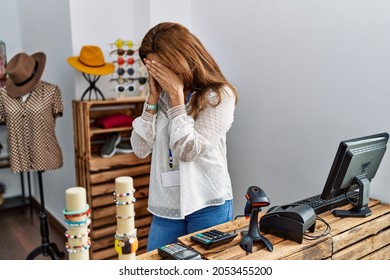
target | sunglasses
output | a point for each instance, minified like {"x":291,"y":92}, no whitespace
{"x":120,"y":80}
{"x":123,"y":88}
{"x":122,"y":71}
{"x":122,"y":52}
{"x":141,"y":80}
{"x":129,"y":61}
{"x":119,"y":43}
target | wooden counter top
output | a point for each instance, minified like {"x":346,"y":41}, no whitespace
{"x":349,"y":238}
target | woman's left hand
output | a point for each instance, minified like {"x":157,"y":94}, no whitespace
{"x":168,"y":80}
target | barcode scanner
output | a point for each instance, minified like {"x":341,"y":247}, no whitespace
{"x":256,"y":198}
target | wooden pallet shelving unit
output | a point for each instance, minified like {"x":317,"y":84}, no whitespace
{"x":98,"y":174}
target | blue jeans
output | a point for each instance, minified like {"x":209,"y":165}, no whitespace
{"x":165,"y":231}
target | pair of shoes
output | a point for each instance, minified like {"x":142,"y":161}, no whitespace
{"x":113,"y":144}
{"x":124,"y":147}
{"x":108,"y":148}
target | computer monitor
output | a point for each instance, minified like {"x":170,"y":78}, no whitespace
{"x":354,"y":166}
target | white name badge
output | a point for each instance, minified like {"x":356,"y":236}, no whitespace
{"x":170,"y":179}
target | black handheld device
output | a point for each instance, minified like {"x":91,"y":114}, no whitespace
{"x":177,"y":251}
{"x":256,"y":198}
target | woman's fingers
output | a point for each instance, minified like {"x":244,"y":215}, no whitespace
{"x":157,"y":69}
{"x":155,"y":88}
{"x":165,"y":77}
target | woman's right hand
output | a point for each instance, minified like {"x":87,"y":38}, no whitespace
{"x":154,"y":90}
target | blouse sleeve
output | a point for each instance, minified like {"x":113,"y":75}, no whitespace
{"x":143,"y":135}
{"x":191,"y":139}
{"x":58,"y":106}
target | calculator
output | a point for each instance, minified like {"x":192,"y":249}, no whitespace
{"x":213,"y":238}
{"x":177,"y":251}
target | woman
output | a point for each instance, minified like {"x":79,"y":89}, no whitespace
{"x":187,"y":114}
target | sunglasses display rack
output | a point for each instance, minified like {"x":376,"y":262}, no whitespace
{"x":130,"y":75}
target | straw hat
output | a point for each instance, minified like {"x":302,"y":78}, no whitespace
{"x":91,"y":61}
{"x":24,"y":72}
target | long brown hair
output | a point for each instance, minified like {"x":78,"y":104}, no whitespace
{"x":184,"y":54}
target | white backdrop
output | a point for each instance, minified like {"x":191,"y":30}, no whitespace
{"x":310,"y":73}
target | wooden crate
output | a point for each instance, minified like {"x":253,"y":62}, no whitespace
{"x":98,"y":174}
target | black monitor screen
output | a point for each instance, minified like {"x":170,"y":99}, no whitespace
{"x":355,"y":157}
{"x":356,"y":160}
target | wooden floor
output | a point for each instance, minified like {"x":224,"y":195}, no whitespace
{"x":20,"y":234}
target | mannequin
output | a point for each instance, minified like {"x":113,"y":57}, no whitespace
{"x":29,"y":107}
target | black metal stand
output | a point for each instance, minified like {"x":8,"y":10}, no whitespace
{"x":361,"y":209}
{"x":29,"y":193}
{"x":46,"y":248}
{"x":253,"y":233}
{"x":92,"y":87}
{"x":29,"y":190}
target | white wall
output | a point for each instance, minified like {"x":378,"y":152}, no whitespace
{"x":170,"y":10}
{"x":106,"y":22}
{"x":309,"y":73}
{"x":60,"y":29}
{"x":101,"y":25}
{"x":10,"y":34}
{"x":44,"y":25}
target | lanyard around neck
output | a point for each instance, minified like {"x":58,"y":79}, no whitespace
{"x":170,"y":151}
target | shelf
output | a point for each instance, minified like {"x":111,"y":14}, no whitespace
{"x":14,"y":202}
{"x":98,"y":130}
{"x":98,"y":163}
{"x":4,"y":162}
{"x":114,"y":102}
{"x":98,"y":174}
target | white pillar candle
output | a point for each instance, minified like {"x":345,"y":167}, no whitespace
{"x":125,"y":218}
{"x":76,"y":199}
{"x":76,"y":202}
{"x":124,"y":184}
{"x":124,"y":197}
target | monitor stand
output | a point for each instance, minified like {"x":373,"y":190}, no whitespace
{"x":361,"y":209}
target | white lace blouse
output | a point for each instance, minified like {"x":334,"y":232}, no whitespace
{"x":199,"y":154}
